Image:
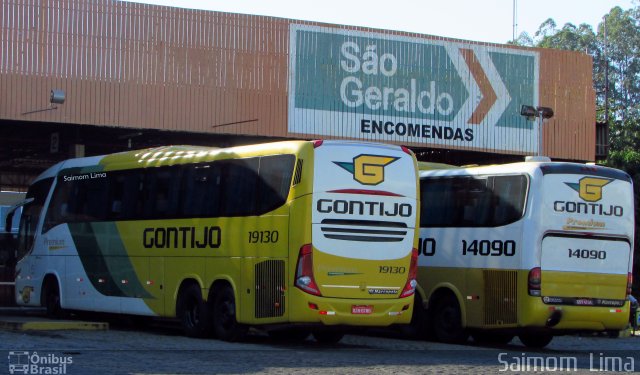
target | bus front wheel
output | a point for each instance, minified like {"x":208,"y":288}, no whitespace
{"x":447,"y":321}
{"x":51,"y":298}
{"x":225,"y":324}
{"x":532,"y":340}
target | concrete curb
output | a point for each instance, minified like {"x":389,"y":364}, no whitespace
{"x":17,"y":324}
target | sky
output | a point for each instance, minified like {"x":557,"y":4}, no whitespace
{"x":478,"y":20}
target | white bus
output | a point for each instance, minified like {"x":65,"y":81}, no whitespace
{"x":309,"y":233}
{"x":533,"y":249}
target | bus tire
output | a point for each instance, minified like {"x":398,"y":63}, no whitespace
{"x":492,"y":338}
{"x":533,"y":340}
{"x":193,"y":312}
{"x":51,"y":298}
{"x":328,"y":337}
{"x":447,"y":321}
{"x":225,"y":324}
{"x":418,"y":329}
{"x":289,"y":334}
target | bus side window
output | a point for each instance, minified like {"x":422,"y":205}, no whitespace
{"x":201,"y":190}
{"x":438,"y":208}
{"x":93,"y":198}
{"x":472,"y":202}
{"x":240,"y":180}
{"x":275,"y":180}
{"x":510,"y":192}
{"x":162,"y":192}
{"x":125,"y":198}
{"x":477,"y":202}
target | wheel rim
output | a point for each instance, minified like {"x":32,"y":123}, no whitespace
{"x":53,"y":301}
{"x":449,"y":319}
{"x":193,"y":313}
{"x":228,"y":314}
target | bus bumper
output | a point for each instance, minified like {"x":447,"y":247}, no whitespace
{"x":579,"y":318}
{"x":355,"y":312}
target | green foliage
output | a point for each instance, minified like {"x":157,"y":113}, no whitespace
{"x":627,"y":160}
{"x":616,"y":54}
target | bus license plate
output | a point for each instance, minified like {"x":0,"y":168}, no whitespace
{"x":361,"y":309}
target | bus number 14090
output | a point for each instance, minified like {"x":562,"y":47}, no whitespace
{"x":587,"y":254}
{"x":489,"y":248}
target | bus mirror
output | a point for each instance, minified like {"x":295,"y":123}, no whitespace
{"x":12,"y":211}
{"x":7,"y":222}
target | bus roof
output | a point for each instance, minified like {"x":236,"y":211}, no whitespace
{"x":184,"y":154}
{"x":530,"y":167}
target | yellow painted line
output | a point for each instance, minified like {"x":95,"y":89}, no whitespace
{"x":53,"y":325}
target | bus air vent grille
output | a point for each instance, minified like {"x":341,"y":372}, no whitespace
{"x":364,"y":230}
{"x":500,"y":302}
{"x":297,"y":177}
{"x":270,"y":289}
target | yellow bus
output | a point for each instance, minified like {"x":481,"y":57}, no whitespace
{"x":533,"y":249}
{"x":297,"y":232}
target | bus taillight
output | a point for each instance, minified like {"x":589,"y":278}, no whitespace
{"x":535,"y":280}
{"x":304,"y":271}
{"x":410,"y":286}
{"x":629,"y":283}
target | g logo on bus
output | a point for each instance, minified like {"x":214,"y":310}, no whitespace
{"x":589,"y":188}
{"x":367,"y":169}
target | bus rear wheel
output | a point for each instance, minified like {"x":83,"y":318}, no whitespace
{"x":328,"y":337}
{"x":447,"y":321}
{"x":289,"y":334}
{"x":532,"y":340}
{"x":193,"y":312}
{"x":225,"y":324}
{"x":492,"y":338}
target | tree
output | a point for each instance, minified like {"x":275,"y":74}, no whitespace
{"x":618,"y":50}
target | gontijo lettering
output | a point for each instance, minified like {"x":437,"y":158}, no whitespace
{"x":181,"y":237}
{"x":340,"y":206}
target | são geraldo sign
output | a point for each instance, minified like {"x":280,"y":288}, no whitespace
{"x":373,"y":86}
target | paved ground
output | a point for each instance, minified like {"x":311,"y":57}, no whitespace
{"x":124,"y":349}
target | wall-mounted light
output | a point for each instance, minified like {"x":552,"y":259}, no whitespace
{"x":539,"y":113}
{"x":56,"y":97}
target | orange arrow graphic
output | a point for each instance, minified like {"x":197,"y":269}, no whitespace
{"x":488,"y":95}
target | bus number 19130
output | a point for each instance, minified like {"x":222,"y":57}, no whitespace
{"x":263,"y":236}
